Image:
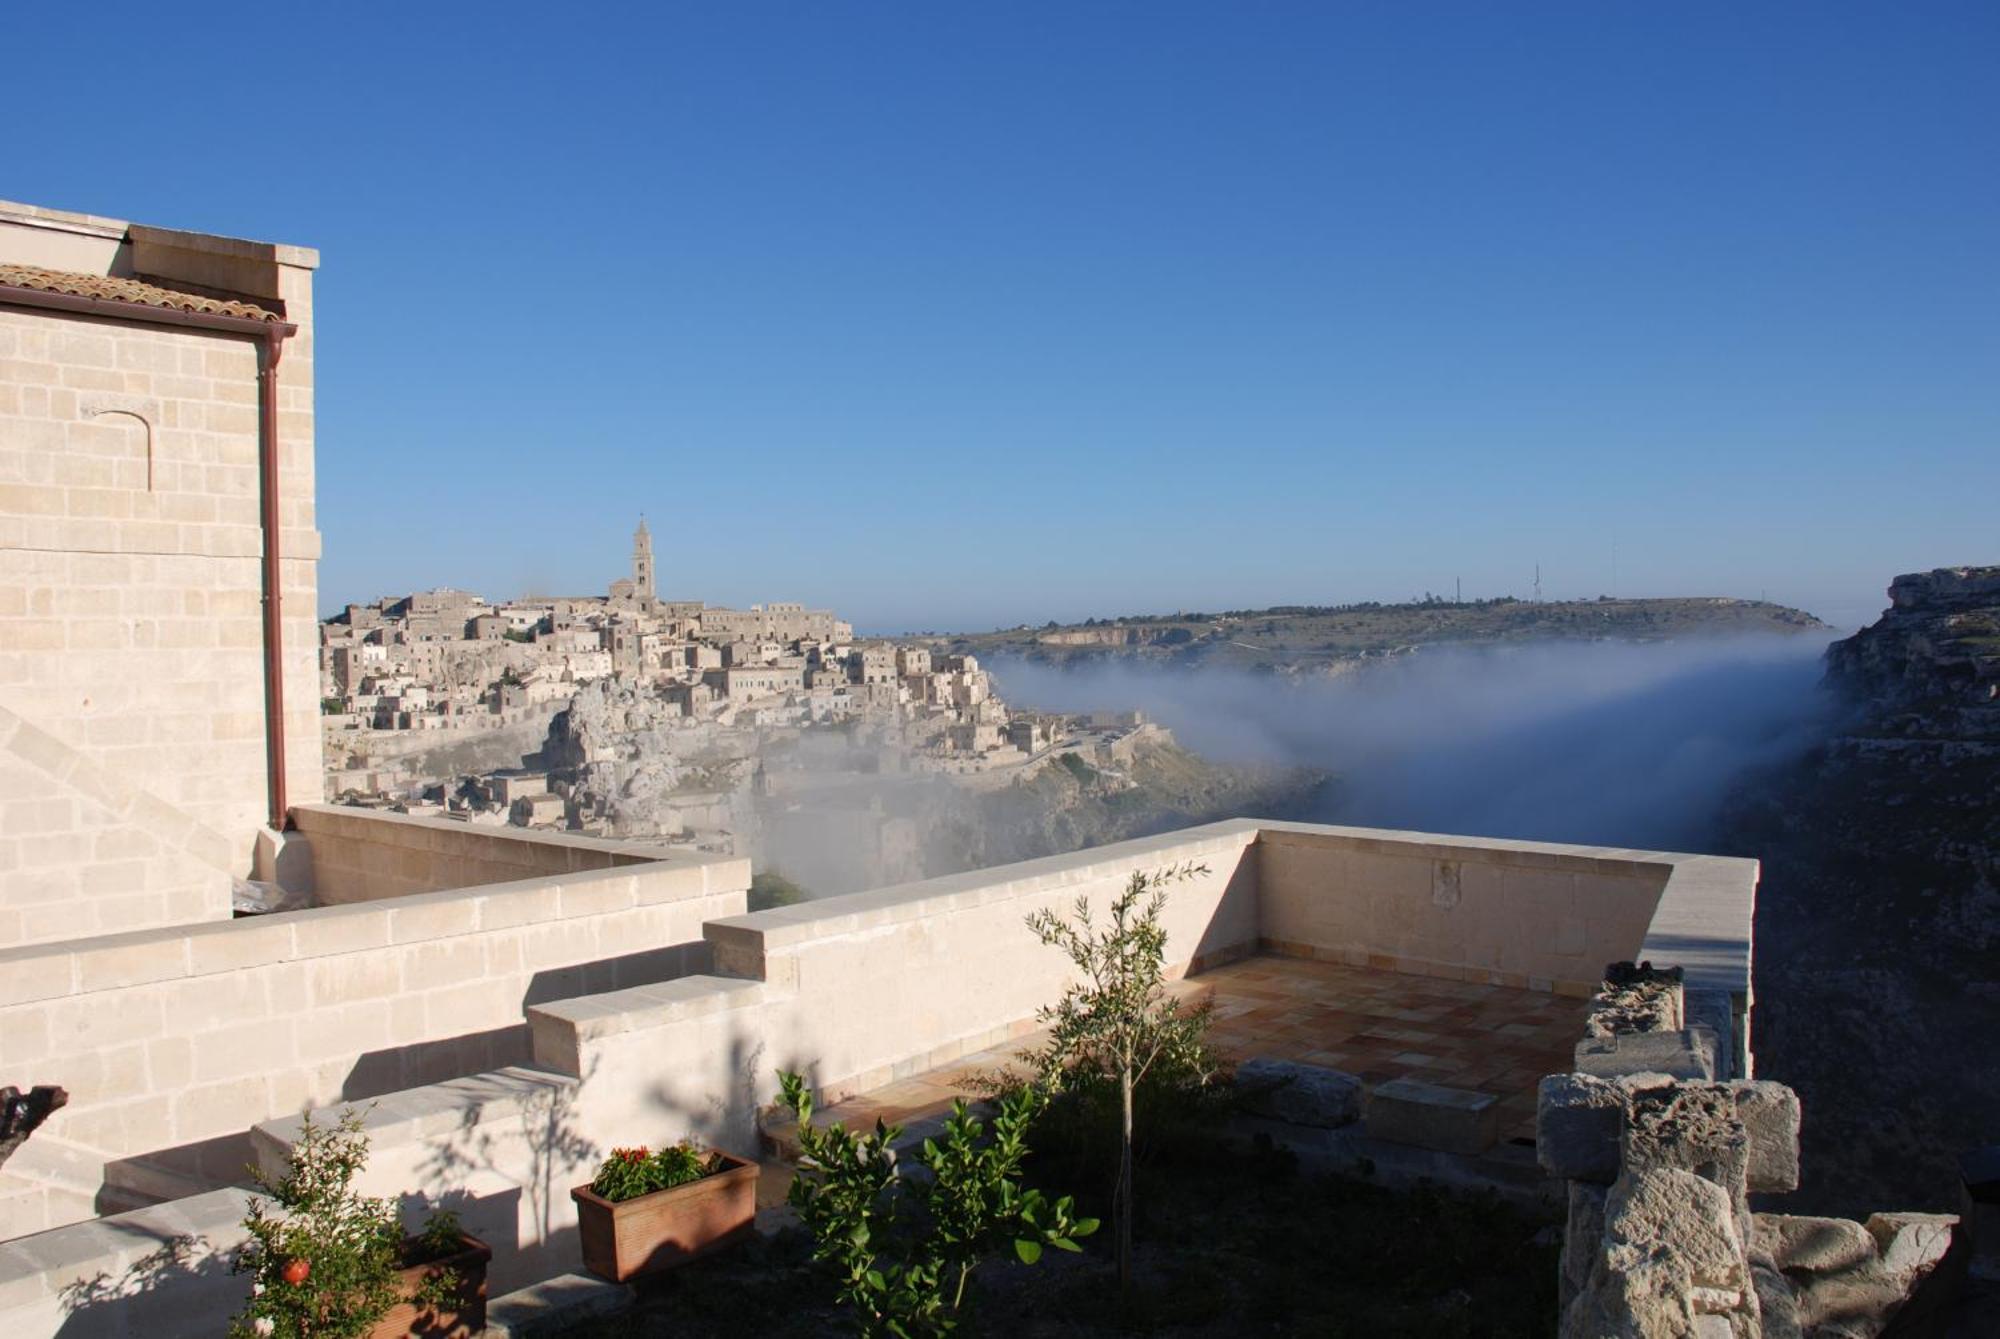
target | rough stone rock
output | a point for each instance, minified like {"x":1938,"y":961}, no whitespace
{"x":1911,"y":1244}
{"x":1689,"y":1053}
{"x":1299,"y":1094}
{"x":1675,"y":1216}
{"x":1652,"y":1005}
{"x":1770,"y":1115}
{"x":1799,"y":1244}
{"x":1691,"y":1128}
{"x":1779,"y":1309}
{"x":1853,"y":1304}
{"x":1578,"y":1118}
{"x":1583,"y":1240}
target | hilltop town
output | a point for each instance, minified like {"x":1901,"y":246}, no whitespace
{"x":671,"y":720}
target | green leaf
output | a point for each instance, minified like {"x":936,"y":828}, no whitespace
{"x":1029,"y":1251}
{"x":1064,"y":1244}
{"x":1084,"y":1227}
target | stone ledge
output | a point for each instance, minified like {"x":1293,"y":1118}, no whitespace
{"x":594,"y":1017}
{"x":553,"y":1306}
{"x":72,"y":967}
{"x":1450,"y":1120}
{"x":412,"y":1114}
{"x":831,"y":917}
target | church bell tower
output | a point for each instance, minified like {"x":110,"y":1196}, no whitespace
{"x":642,"y":562}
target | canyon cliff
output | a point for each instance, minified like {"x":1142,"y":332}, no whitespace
{"x":1878,"y":920}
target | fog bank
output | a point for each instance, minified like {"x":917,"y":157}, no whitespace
{"x":1613,"y":743}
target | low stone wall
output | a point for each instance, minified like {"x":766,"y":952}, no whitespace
{"x":1530,"y":915}
{"x":362,"y":855}
{"x":853,"y":991}
{"x":156,"y":1273}
{"x":172,"y":1043}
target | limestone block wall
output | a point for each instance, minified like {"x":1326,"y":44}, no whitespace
{"x":173,"y":1042}
{"x":852,"y":990}
{"x":1523,"y":914}
{"x":157,"y":1273}
{"x":869,"y":984}
{"x":361,"y":855}
{"x":130,"y":599}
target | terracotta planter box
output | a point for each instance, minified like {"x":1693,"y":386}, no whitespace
{"x":667,"y":1227}
{"x":461,"y":1317}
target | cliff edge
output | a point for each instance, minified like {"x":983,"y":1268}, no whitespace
{"x":1878,"y":922}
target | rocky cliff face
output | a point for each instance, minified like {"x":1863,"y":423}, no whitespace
{"x":1878,"y":922}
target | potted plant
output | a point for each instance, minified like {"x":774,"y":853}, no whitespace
{"x":651,"y":1210}
{"x":441,"y":1281}
{"x":326,"y":1263}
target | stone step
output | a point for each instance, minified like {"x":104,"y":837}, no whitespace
{"x":554,"y":1306}
{"x":145,"y":1181}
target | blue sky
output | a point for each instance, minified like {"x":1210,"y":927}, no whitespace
{"x":957,"y":316}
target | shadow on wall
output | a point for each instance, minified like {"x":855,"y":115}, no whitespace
{"x":182,"y":1274}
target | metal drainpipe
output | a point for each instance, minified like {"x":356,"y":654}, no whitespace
{"x":271,"y":337}
{"x":268,"y":353}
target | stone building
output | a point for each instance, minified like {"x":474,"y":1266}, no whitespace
{"x":158,"y":557}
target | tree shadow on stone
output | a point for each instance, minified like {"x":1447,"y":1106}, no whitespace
{"x":185,"y":1275}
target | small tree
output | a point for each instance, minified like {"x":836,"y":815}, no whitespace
{"x":903,"y":1247}
{"x":324,"y":1267}
{"x":1118,"y":1021}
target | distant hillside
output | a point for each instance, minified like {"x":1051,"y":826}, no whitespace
{"x":1300,"y":638}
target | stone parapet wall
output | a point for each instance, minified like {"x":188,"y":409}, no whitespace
{"x":853,"y":991}
{"x":361,"y":855}
{"x":169,"y":1039}
{"x":1530,"y":915}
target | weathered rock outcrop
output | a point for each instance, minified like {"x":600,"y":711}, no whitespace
{"x":1929,"y":670}
{"x":1661,"y":1241}
{"x":1878,"y":921}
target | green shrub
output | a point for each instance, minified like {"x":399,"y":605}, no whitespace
{"x":772,"y":889}
{"x":903,"y":1247}
{"x":324,"y":1265}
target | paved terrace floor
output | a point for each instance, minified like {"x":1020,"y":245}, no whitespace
{"x":1377,"y":1025}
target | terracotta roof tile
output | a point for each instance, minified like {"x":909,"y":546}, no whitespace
{"x":136,"y":291}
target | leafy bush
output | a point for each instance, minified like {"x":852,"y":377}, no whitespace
{"x":631,"y":1172}
{"x":904,"y":1246}
{"x":324,"y":1266}
{"x":772,"y":889}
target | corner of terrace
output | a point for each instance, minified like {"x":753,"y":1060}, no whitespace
{"x":505,"y":1007}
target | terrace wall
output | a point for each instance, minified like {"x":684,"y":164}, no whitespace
{"x":857,"y":991}
{"x":362,"y":855}
{"x":173,"y":1042}
{"x":1523,"y":914}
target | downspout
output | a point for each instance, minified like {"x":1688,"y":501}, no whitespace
{"x":271,"y":336}
{"x":268,"y":352}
